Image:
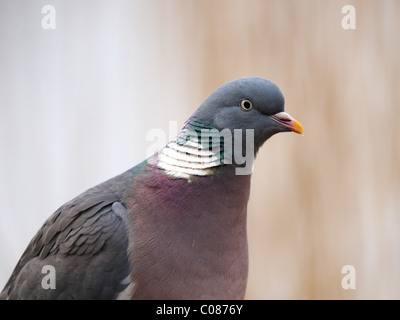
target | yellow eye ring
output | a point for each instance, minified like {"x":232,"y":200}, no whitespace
{"x":246,"y":104}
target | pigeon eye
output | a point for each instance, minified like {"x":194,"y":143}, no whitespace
{"x":246,"y":105}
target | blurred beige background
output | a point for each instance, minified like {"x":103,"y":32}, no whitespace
{"x":76,"y":103}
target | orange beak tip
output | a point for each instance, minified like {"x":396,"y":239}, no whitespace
{"x":297,"y":127}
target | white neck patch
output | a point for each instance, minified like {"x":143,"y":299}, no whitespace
{"x":185,"y":158}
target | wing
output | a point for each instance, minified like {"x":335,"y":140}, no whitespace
{"x":79,"y":253}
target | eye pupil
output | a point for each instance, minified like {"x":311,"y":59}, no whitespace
{"x":246,"y":104}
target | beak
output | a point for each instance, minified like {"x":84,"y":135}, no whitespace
{"x":285,"y":120}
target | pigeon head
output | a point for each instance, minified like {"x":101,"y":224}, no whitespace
{"x":236,"y":119}
{"x":248,"y":103}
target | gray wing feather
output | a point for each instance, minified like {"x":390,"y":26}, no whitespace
{"x":86,"y":241}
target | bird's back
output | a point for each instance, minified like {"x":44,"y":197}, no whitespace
{"x":80,"y":252}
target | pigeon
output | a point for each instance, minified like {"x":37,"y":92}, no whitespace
{"x":171,"y":227}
